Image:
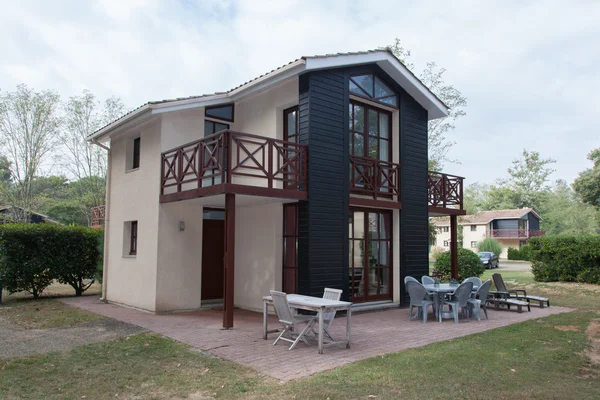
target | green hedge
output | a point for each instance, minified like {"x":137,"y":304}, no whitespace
{"x":524,"y":254}
{"x":566,"y":258}
{"x":469,"y":265}
{"x":33,"y":255}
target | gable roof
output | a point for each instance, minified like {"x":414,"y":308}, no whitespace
{"x":384,"y":58}
{"x":485,"y":217}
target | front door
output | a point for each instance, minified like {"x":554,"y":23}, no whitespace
{"x":213,"y":250}
{"x":370,"y":270}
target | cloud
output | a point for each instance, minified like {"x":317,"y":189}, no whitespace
{"x":528,"y":70}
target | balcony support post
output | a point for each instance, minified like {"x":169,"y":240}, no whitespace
{"x":229,"y":261}
{"x":454,"y":246}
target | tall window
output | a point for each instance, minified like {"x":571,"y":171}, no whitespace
{"x":373,"y":88}
{"x":136,"y":154}
{"x":290,"y":124}
{"x":211,"y":127}
{"x":290,"y":248}
{"x":370,"y":132}
{"x":133,"y":238}
{"x":370,"y":235}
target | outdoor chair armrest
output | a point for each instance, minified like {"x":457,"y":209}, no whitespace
{"x":517,"y":291}
{"x":496,"y":293}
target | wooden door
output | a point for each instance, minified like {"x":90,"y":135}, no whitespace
{"x":213,"y":250}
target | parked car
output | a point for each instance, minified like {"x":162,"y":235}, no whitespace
{"x":489,"y":259}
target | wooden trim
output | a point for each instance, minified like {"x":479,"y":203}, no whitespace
{"x":446,"y":211}
{"x":454,"y":246}
{"x":373,"y":99}
{"x":229,"y":261}
{"x":233,"y":188}
{"x":360,"y":202}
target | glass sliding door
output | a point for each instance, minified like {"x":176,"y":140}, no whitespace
{"x":370,"y":233}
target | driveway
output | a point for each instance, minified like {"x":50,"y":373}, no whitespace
{"x":509,"y":265}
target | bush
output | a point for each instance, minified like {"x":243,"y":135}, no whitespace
{"x":523,"y":254}
{"x":436,"y":252}
{"x":491,"y":245}
{"x":566,"y":258}
{"x":33,"y":255}
{"x":469,"y":265}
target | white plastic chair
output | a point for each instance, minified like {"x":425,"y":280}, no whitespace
{"x":418,"y":296}
{"x":481,"y":302}
{"x":460,"y":299}
{"x":427,"y":280}
{"x":329,"y":316}
{"x":291,"y":323}
{"x":410,"y":279}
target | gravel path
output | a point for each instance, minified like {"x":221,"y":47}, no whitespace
{"x":16,"y":341}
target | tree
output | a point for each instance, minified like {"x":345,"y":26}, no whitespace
{"x":29,"y":123}
{"x":87,"y":162}
{"x":491,"y":245}
{"x":564,"y":213}
{"x":587,"y":184}
{"x":433,"y":77}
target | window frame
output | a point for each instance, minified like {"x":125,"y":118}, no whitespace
{"x":133,"y":238}
{"x":446,"y":229}
{"x":366,"y":135}
{"x":474,"y":244}
{"x":135,"y":159}
{"x":214,"y":126}
{"x":446,"y":243}
{"x":473,"y":228}
{"x":206,"y":109}
{"x":373,"y":99}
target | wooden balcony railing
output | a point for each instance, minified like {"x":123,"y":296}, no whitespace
{"x":515,"y":233}
{"x":445,"y":191}
{"x":372,"y":177}
{"x":98,"y":215}
{"x":230,"y":157}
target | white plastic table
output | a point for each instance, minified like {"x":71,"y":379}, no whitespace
{"x":319,"y":305}
{"x":440,"y":290}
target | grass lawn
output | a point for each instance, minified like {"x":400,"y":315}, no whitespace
{"x":539,"y":359}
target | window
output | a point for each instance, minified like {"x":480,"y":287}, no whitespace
{"x":473,"y":245}
{"x":136,"y":153}
{"x":290,"y":124}
{"x":220,"y":112}
{"x":445,"y":243}
{"x":473,"y":228}
{"x":370,"y":132}
{"x":373,"y":88}
{"x":130,"y":238}
{"x":446,"y":229}
{"x":211,"y":127}
{"x":133,"y":238}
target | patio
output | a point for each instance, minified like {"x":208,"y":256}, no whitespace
{"x":373,"y":334}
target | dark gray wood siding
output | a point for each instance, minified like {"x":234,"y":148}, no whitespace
{"x":506,"y":224}
{"x":323,"y":219}
{"x":534,"y":222}
{"x":414,"y":214}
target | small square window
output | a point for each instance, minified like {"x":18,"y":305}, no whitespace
{"x":473,"y":245}
{"x":473,"y":228}
{"x":446,"y":229}
{"x":445,"y":243}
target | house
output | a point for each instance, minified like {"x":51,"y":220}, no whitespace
{"x":313,"y":175}
{"x":9,"y":214}
{"x":512,"y":228}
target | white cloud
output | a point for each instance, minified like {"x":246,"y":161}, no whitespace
{"x":528,"y":71}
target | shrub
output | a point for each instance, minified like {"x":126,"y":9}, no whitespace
{"x":469,"y":265}
{"x":566,"y":258}
{"x":32,"y":255}
{"x":491,"y":245}
{"x":436,"y":252}
{"x":23,"y":266}
{"x":523,"y":254}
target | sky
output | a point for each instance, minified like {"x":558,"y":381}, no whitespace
{"x":529,"y":70}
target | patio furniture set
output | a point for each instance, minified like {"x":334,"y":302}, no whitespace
{"x":465,"y":299}
{"x":472,"y":295}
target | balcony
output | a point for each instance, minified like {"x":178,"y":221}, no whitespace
{"x":380,"y":180}
{"x":515,"y":233}
{"x":234,"y":162}
{"x":98,"y":215}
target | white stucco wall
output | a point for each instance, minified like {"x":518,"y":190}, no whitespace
{"x":179,"y":257}
{"x":473,"y":236}
{"x":181,"y":127}
{"x":258,"y":253}
{"x":131,"y":280}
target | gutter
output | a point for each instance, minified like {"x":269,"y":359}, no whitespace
{"x":106,"y":219}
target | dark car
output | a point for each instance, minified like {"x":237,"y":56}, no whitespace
{"x":489,"y":259}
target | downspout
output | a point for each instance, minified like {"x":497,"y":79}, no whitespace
{"x":106,"y":220}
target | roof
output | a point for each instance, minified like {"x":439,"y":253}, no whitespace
{"x":384,"y":58}
{"x":45,"y":217}
{"x":485,"y":217}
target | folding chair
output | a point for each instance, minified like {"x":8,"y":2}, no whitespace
{"x":291,"y":323}
{"x":329,"y":316}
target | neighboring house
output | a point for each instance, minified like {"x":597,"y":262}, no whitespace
{"x":313,"y":175}
{"x":512,"y":228}
{"x":8,"y":214}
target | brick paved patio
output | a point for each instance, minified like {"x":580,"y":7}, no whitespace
{"x":373,"y":334}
